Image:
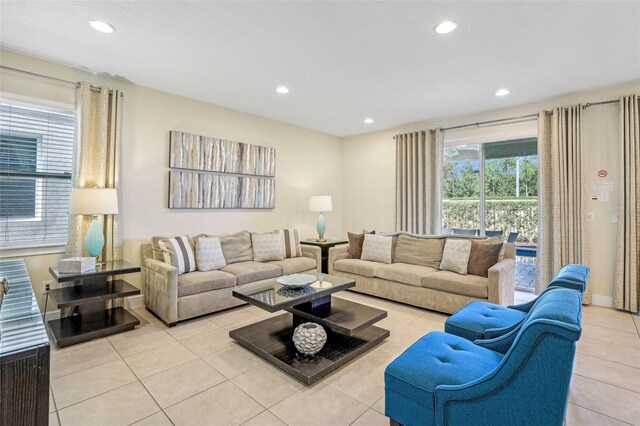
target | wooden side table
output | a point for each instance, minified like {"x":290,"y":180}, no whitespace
{"x":91,"y":320}
{"x":324,"y":247}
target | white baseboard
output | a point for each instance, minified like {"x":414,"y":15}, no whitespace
{"x":599,"y":300}
{"x":134,"y":302}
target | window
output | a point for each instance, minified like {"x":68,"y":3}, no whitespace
{"x":36,"y":149}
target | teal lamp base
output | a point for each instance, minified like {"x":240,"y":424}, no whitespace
{"x":321,"y":227}
{"x":94,"y":241}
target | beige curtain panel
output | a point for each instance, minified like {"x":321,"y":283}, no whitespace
{"x":419,"y":181}
{"x":627,"y":280}
{"x":561,"y":194}
{"x":96,"y":163}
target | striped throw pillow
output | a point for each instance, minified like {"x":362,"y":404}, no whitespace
{"x":179,"y":252}
{"x":292,"y":247}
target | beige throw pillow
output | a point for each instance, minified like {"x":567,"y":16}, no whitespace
{"x":291,"y":242}
{"x":267,"y":247}
{"x":419,"y":251}
{"x":455,"y":256}
{"x":377,"y":248}
{"x":209,"y":255}
{"x":237,"y":247}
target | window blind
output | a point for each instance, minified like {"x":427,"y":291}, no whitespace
{"x":36,"y":154}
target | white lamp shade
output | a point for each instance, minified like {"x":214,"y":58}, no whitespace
{"x":94,"y":201}
{"x":320,"y":203}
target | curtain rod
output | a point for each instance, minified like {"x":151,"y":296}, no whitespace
{"x":589,"y":104}
{"x":59,"y":80}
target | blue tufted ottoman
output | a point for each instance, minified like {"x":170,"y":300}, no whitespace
{"x":482,"y":320}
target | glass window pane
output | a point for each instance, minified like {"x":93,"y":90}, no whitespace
{"x":461,"y":189}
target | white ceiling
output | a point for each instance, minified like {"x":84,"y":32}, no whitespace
{"x":342,"y":61}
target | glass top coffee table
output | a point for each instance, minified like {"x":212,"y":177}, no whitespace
{"x":349,"y":325}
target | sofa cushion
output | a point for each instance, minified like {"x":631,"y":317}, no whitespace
{"x":267,"y":247}
{"x":199,"y":282}
{"x":403,"y":273}
{"x":377,"y":248}
{"x":209,"y":254}
{"x":248,"y":272}
{"x":467,"y":285}
{"x":237,"y":247}
{"x":472,"y":321}
{"x":356,"y":266}
{"x":419,"y":251}
{"x":484,"y":254}
{"x":355,"y":243}
{"x":455,"y":256}
{"x":438,"y":359}
{"x":295,"y":264}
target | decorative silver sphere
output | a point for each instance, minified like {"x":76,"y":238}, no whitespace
{"x":309,"y":338}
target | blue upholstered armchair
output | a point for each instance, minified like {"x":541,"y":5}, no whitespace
{"x":483,"y":320}
{"x":519,"y":378}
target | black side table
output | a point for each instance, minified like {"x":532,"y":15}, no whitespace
{"x":324,"y":247}
{"x":91,"y":319}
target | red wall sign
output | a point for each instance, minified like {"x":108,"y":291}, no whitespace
{"x":602,"y":173}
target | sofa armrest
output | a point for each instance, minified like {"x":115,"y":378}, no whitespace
{"x":502,"y":282}
{"x":160,"y":288}
{"x":337,"y":253}
{"x":313,"y":252}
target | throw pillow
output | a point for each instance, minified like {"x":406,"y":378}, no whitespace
{"x":209,"y":254}
{"x":419,"y":251}
{"x":484,"y":254}
{"x":355,"y":243}
{"x":237,"y":247}
{"x":179,"y":252}
{"x":377,"y":248}
{"x":267,"y":247}
{"x":291,"y":241}
{"x":455,"y":256}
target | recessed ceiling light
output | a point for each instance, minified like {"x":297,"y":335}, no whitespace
{"x":101,"y":26}
{"x":502,"y":92}
{"x":368,"y":120}
{"x":446,"y":27}
{"x":282,"y":89}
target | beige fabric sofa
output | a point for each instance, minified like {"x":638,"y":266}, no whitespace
{"x":425,"y":286}
{"x":174,"y":297}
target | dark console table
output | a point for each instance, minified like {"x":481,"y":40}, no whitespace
{"x":24,"y":352}
{"x":324,"y":250}
{"x":88,"y":296}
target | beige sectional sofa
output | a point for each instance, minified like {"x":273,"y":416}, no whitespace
{"x":426,"y":286}
{"x":174,"y":297}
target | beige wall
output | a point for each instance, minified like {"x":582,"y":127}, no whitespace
{"x":307,"y":162}
{"x":369,"y":170}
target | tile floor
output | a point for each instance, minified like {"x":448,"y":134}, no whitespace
{"x":525,"y":276}
{"x":194,"y":374}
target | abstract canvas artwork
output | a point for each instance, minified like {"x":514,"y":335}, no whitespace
{"x":220,"y":174}
{"x":194,"y":152}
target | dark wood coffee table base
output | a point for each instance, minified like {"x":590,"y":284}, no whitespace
{"x":272,"y":340}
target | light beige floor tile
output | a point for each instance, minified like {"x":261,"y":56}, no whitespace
{"x":619,"y":322}
{"x":379,"y":406}
{"x":89,"y":355}
{"x":607,"y":371}
{"x":55,"y":350}
{"x":225,"y":403}
{"x":319,"y":405}
{"x":612,"y":401}
{"x":121,"y":406}
{"x":52,"y":403}
{"x":53,"y":419}
{"x":610,"y":351}
{"x":232,"y":360}
{"x":140,"y":340}
{"x":636,"y":319}
{"x":147,"y":318}
{"x":179,"y":383}
{"x":232,"y":316}
{"x":602,"y":311}
{"x":184,"y":330}
{"x":266,"y":418}
{"x":611,"y":335}
{"x":149,"y":362}
{"x":206,"y":343}
{"x":578,"y":416}
{"x":267,"y":385}
{"x":157,"y":419}
{"x":93,"y":381}
{"x":371,"y":418}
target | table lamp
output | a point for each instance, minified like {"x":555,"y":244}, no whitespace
{"x":321,"y":204}
{"x":94,"y":201}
